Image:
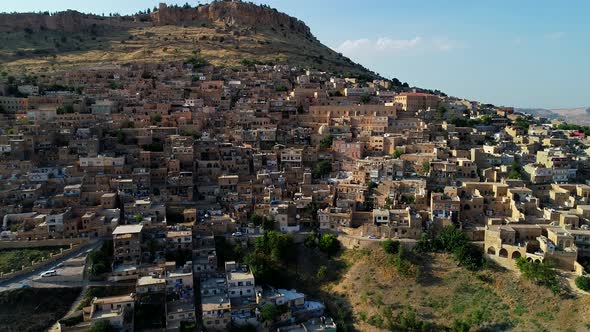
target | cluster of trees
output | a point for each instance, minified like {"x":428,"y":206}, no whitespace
{"x":329,"y":244}
{"x":468,"y":122}
{"x":542,"y":274}
{"x":326,"y":243}
{"x":196,"y":62}
{"x":582,"y":129}
{"x":399,"y":258}
{"x":100,"y":259}
{"x":454,"y":241}
{"x":516,"y":171}
{"x":272,"y":251}
{"x":522,"y":123}
{"x":322,"y":168}
{"x":266,"y":222}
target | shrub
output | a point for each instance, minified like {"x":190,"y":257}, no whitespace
{"x":322,"y":273}
{"x":390,"y":246}
{"x":101,"y":326}
{"x":196,"y":62}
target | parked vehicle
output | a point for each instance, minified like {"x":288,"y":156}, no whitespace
{"x":49,"y":273}
{"x":237,"y":234}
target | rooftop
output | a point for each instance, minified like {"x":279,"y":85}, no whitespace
{"x":128,"y":229}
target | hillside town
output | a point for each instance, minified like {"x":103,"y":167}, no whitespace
{"x":160,"y":165}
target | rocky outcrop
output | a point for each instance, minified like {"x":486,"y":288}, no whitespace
{"x":68,"y":21}
{"x":232,"y":13}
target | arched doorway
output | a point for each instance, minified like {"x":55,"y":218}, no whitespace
{"x":503,"y":252}
{"x":516,"y":255}
{"x":491,"y":251}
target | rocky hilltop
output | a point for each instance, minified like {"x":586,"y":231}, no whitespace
{"x":225,"y":33}
{"x":230,"y":13}
{"x":233,"y":13}
{"x":68,"y":21}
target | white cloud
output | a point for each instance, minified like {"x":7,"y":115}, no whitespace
{"x":555,"y":35}
{"x":388,"y":46}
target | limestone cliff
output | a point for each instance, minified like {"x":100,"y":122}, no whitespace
{"x":231,"y":13}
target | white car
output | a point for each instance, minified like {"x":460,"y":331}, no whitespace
{"x":236,"y":234}
{"x":49,"y":273}
{"x":372,"y":237}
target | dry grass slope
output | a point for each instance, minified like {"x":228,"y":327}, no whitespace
{"x":442,"y":293}
{"x":49,"y":50}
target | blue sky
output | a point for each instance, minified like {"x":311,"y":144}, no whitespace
{"x":526,"y":53}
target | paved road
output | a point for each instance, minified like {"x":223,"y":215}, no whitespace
{"x":30,"y":278}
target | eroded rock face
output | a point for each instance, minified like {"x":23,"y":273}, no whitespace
{"x":68,"y":21}
{"x":232,"y":13}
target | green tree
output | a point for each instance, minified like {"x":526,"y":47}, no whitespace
{"x":425,"y":168}
{"x":256,"y":219}
{"x":365,"y":99}
{"x":310,"y":240}
{"x":543,"y":274}
{"x":268,"y":224}
{"x":329,"y":244}
{"x":157,"y":118}
{"x":261,"y":266}
{"x":449,"y":239}
{"x":322,"y":169}
{"x":397,"y":153}
{"x":583,"y":283}
{"x":275,"y":245}
{"x":372,"y":185}
{"x":269,"y":312}
{"x":515,"y":171}
{"x":522,"y":123}
{"x":121,"y":136}
{"x":326,"y":142}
